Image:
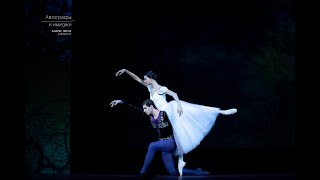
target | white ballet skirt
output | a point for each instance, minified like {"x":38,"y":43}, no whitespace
{"x":192,"y":126}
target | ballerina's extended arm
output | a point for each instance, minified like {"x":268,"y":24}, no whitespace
{"x":135,"y":77}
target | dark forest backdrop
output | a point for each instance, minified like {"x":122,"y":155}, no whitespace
{"x":224,"y":54}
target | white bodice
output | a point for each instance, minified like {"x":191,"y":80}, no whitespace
{"x":159,"y":98}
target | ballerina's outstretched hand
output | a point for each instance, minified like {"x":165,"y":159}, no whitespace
{"x":120,"y":72}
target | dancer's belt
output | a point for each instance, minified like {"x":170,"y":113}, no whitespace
{"x":167,"y":138}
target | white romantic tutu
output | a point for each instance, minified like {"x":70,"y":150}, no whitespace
{"x":192,"y":126}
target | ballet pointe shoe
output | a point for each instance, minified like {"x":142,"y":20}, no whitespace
{"x":229,"y":111}
{"x":181,"y":165}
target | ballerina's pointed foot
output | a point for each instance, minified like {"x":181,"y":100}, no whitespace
{"x":181,"y":165}
{"x":229,"y":111}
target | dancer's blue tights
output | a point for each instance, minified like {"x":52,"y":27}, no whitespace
{"x":167,"y":148}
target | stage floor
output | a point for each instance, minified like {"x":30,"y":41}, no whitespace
{"x":161,"y":177}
